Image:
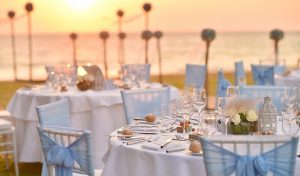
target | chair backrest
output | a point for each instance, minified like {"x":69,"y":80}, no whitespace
{"x":249,"y":155}
{"x":222,"y":85}
{"x":262,"y":74}
{"x":240,"y":75}
{"x":55,"y":113}
{"x":139,"y":103}
{"x":195,"y":75}
{"x":272,"y":62}
{"x":67,"y":149}
{"x":146,"y":68}
{"x":279,"y":69}
{"x":276,"y":93}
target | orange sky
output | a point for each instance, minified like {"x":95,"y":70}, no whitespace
{"x":52,"y":16}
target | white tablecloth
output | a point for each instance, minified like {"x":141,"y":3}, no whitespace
{"x":99,"y":111}
{"x":133,"y":160}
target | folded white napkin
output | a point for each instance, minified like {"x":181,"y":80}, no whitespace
{"x":144,"y":130}
{"x":151,"y":146}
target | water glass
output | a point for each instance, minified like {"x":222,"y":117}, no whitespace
{"x":141,"y":78}
{"x":209,"y":123}
{"x":166,"y":116}
{"x":199,"y":101}
{"x":232,"y":91}
{"x":184,"y":110}
{"x":290,"y":123}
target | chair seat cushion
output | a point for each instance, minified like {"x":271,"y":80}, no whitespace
{"x":4,"y":124}
{"x":98,"y":172}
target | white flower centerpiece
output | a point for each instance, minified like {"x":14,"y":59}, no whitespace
{"x":244,"y":117}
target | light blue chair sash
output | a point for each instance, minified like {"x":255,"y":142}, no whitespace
{"x":280,"y":160}
{"x":63,"y":158}
{"x":195,"y":75}
{"x":279,"y":69}
{"x":276,"y":93}
{"x":263,"y":75}
{"x":55,"y":114}
{"x":222,"y":86}
{"x":138,"y":103}
{"x":240,"y":76}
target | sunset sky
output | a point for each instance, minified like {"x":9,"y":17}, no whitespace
{"x":59,"y":16}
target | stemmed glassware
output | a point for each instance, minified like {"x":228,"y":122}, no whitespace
{"x":221,"y":108}
{"x":290,"y":105}
{"x":199,"y":101}
{"x":167,"y":119}
{"x":232,"y":91}
{"x":184,"y":109}
{"x":290,"y":100}
{"x":141,"y":78}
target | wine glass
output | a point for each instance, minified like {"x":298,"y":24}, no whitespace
{"x":290,"y":100}
{"x":184,"y":110}
{"x":232,"y":91}
{"x":133,"y":73}
{"x":199,"y":101}
{"x":167,"y":119}
{"x":141,"y":78}
{"x":209,"y":123}
{"x":290,"y":123}
{"x":221,"y":107}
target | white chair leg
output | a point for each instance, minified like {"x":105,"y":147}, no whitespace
{"x":6,"y":155}
{"x":15,"y":153}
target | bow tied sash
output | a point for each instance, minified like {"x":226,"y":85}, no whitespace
{"x":62,"y":158}
{"x":220,"y":161}
{"x":251,"y":165}
{"x":264,"y":76}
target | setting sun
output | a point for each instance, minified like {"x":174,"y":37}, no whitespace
{"x":80,"y":4}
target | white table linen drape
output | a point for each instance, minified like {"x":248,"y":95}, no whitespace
{"x":99,"y":111}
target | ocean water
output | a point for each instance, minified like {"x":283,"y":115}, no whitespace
{"x":177,"y":50}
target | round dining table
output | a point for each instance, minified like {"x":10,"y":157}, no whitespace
{"x":144,"y":159}
{"x":99,"y":111}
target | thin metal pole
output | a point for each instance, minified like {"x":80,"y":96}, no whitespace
{"x":74,"y":53}
{"x":105,"y":60}
{"x":146,"y":21}
{"x":13,"y":44}
{"x":30,"y":46}
{"x":206,"y":63}
{"x":146,"y":51}
{"x":276,"y":52}
{"x":159,"y":61}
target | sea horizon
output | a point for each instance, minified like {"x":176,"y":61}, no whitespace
{"x":178,"y":48}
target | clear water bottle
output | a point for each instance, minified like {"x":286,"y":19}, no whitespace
{"x":268,"y":117}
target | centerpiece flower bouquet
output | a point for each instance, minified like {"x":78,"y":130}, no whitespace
{"x":244,"y":117}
